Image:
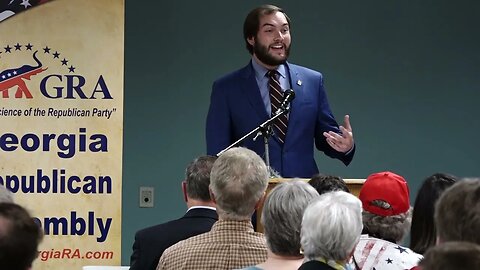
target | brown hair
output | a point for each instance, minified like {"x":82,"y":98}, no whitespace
{"x":252,"y":21}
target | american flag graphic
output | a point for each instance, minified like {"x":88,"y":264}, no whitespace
{"x":9,"y":8}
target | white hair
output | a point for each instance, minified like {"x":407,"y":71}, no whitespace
{"x":331,"y":226}
{"x":282,"y":216}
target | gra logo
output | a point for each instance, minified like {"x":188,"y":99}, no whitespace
{"x":52,"y":86}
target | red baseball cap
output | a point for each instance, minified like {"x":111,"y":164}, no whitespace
{"x":388,"y":187}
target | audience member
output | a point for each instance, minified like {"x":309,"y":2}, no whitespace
{"x":282,"y":219}
{"x":238,"y":183}
{"x":151,"y":242}
{"x":5,"y":195}
{"x":452,"y":256}
{"x":19,"y":237}
{"x":331,"y":228}
{"x":326,"y":183}
{"x":386,"y":220}
{"x":457,"y":213}
{"x":423,"y":234}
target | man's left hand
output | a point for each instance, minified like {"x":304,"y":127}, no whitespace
{"x":341,"y":142}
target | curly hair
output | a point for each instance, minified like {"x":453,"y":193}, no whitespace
{"x":390,"y":228}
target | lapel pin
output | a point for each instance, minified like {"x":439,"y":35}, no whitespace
{"x":299,"y":82}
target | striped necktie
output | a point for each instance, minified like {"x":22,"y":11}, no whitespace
{"x":276,"y":98}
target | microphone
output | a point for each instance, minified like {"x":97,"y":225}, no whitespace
{"x":288,"y":96}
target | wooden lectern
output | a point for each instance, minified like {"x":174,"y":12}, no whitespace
{"x":353,"y":185}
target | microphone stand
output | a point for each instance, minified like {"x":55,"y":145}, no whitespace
{"x":265,"y":130}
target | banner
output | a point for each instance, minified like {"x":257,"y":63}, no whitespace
{"x":9,"y":8}
{"x":61,"y":125}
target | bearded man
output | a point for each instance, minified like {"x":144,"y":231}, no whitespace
{"x":244,"y":99}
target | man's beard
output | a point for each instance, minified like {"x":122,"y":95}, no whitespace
{"x":262,"y":54}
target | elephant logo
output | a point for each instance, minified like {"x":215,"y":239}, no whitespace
{"x":16,"y":77}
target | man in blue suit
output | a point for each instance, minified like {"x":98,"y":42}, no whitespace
{"x":240,"y":102}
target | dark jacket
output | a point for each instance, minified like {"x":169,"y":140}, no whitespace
{"x":315,"y":265}
{"x":151,"y":242}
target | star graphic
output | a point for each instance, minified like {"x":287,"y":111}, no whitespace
{"x":71,"y":69}
{"x":25,"y":3}
{"x":17,"y":47}
{"x":29,"y":46}
{"x":64,"y":62}
{"x":56,"y":54}
{"x":389,"y":261}
{"x":8,"y":49}
{"x":46,"y":50}
{"x":401,"y":249}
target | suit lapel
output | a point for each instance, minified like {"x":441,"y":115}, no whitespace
{"x":250,"y":88}
{"x":296,"y":84}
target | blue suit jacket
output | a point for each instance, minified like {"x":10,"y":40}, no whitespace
{"x":236,"y":108}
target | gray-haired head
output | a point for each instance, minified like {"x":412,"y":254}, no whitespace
{"x":282,"y":216}
{"x":198,"y":178}
{"x":331,"y":226}
{"x":5,"y":195}
{"x":391,"y":228}
{"x":238,"y":181}
{"x":457,"y":212}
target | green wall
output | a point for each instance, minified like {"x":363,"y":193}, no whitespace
{"x":406,"y":71}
